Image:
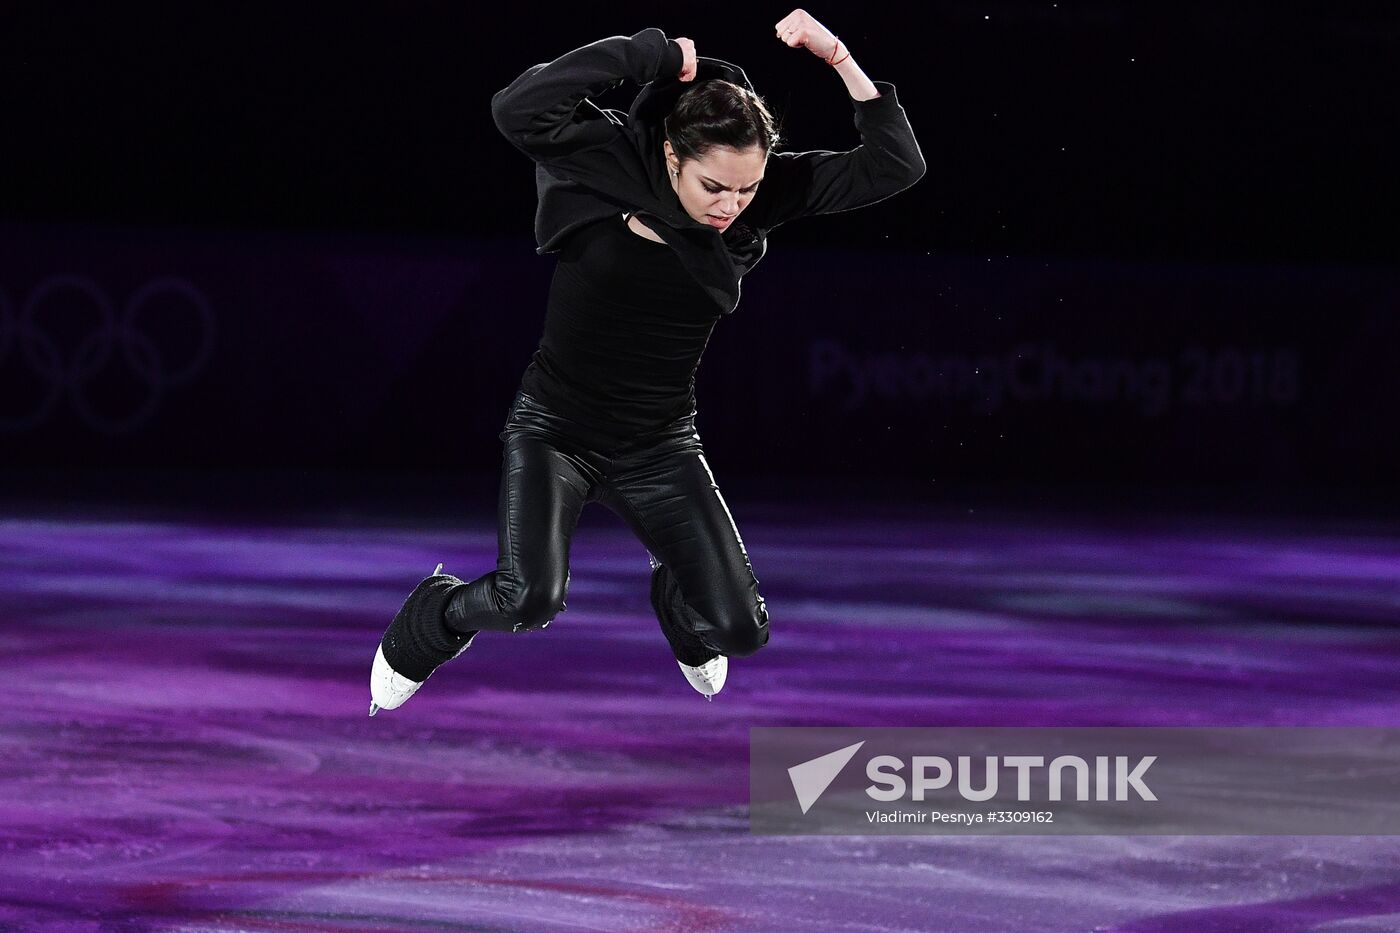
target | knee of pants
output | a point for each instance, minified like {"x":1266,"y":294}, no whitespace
{"x":742,"y":637}
{"x":536,"y":603}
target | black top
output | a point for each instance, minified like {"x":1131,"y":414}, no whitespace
{"x":629,"y":317}
{"x":623,"y":334}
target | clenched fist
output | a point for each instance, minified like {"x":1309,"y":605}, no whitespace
{"x":688,"y":66}
{"x":798,"y":28}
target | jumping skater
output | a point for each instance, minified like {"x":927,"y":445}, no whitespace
{"x":643,"y":209}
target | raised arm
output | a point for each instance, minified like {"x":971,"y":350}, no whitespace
{"x":546,"y":112}
{"x":819,"y":181}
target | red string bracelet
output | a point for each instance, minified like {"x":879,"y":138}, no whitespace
{"x":835,"y":50}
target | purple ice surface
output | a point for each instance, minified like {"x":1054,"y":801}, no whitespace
{"x":186,"y":745}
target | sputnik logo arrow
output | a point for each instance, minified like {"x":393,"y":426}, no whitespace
{"x":811,"y":778}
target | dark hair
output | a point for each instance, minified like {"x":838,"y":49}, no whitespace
{"x":717,"y":113}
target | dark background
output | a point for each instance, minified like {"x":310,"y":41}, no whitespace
{"x":1209,"y":189}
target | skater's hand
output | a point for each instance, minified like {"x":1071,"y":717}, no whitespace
{"x":799,"y":29}
{"x":688,"y":66}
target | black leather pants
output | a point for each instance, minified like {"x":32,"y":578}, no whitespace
{"x":661,"y":486}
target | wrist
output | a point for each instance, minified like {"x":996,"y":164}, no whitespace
{"x":839,"y":53}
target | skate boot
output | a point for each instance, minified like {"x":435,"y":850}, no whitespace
{"x":704,"y":668}
{"x":416,"y":643}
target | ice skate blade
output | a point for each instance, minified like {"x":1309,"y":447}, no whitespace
{"x":373,"y":707}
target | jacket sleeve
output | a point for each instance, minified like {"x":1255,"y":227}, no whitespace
{"x":546,"y":112}
{"x":804,"y":184}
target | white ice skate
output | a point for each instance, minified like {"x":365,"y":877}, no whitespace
{"x":709,"y":677}
{"x":387,"y":687}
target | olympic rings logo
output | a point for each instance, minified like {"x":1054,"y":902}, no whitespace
{"x":24,"y":339}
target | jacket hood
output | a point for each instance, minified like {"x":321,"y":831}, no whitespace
{"x":657,"y":99}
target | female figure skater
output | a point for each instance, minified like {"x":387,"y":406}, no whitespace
{"x":644,"y":209}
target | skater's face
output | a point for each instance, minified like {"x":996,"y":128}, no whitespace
{"x":716,"y":188}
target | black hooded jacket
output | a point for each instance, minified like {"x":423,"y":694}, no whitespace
{"x":591,"y":162}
